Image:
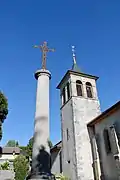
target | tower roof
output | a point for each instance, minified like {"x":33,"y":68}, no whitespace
{"x":75,"y":71}
{"x":74,"y":66}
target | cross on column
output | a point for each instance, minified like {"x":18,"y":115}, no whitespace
{"x":45,"y":49}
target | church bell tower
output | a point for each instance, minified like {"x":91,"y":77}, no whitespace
{"x":79,"y":105}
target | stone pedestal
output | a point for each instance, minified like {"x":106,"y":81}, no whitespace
{"x":41,"y":152}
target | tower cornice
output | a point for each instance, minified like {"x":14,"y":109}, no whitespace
{"x":77,"y":74}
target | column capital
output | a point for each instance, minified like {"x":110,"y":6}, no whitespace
{"x":41,"y":72}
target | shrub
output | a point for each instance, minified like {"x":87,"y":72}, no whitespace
{"x":5,"y":166}
{"x":21,"y":167}
{"x":61,"y":177}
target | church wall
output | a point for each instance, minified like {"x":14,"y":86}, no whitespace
{"x":75,"y":114}
{"x":107,"y":160}
{"x":74,"y":78}
{"x":85,"y":110}
{"x":89,"y":107}
{"x":55,"y":162}
{"x":82,"y":115}
{"x":68,"y":151}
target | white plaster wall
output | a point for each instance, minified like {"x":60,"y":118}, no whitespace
{"x":55,"y":156}
{"x":108,"y":162}
{"x":76,"y":113}
{"x":5,"y":157}
{"x":68,"y":151}
{"x":73,"y":80}
{"x":84,"y":111}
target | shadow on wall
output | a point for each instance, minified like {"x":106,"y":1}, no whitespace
{"x":54,"y":156}
{"x":41,"y":165}
{"x":42,"y":161}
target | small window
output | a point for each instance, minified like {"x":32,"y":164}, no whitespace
{"x":107,"y":141}
{"x":79,"y":88}
{"x":89,"y":90}
{"x":68,"y":90}
{"x":60,"y":156}
{"x":67,"y":134}
{"x":64,"y":97}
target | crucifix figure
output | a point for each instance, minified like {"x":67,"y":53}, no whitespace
{"x":45,"y":49}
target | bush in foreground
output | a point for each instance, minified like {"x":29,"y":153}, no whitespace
{"x":21,"y":167}
{"x":61,"y":177}
{"x":5,"y":166}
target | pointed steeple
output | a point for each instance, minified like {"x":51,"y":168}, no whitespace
{"x":74,"y":66}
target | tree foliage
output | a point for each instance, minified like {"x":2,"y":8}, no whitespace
{"x":61,"y":177}
{"x":21,"y":167}
{"x":27,"y":150}
{"x":50,"y":144}
{"x":3,"y":111}
{"x":29,"y":147}
{"x":12,"y":143}
{"x":5,"y":166}
{"x":3,"y":107}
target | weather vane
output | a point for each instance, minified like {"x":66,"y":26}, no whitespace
{"x":73,"y":54}
{"x":45,"y":49}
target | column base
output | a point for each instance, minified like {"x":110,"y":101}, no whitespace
{"x":41,"y":176}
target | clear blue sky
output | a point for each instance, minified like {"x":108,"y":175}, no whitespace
{"x":92,"y":26}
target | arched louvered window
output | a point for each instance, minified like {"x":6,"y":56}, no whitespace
{"x":79,"y":88}
{"x":89,"y":90}
{"x":107,"y":141}
{"x":68,"y":90}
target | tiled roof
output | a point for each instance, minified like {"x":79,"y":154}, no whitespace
{"x":10,"y":150}
{"x":56,"y":146}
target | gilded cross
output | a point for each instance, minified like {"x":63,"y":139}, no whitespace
{"x":45,"y":49}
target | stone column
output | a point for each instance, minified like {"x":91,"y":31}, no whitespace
{"x":41,"y":156}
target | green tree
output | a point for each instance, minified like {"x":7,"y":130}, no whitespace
{"x":5,"y":166}
{"x":24,"y":149}
{"x":17,"y":144}
{"x":3,"y":111}
{"x":12,"y":143}
{"x":29,"y":147}
{"x":61,"y":177}
{"x":21,"y":167}
{"x":50,"y":144}
{"x":27,"y":150}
